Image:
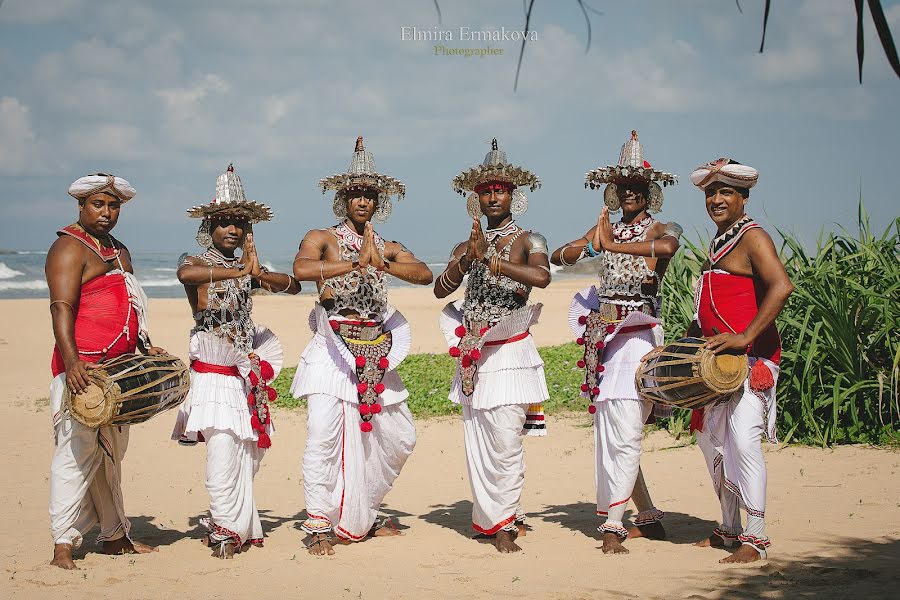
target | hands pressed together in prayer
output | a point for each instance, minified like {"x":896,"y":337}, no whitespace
{"x":603,"y":234}
{"x":369,"y":254}
{"x":249,"y":257}
{"x":476,"y":246}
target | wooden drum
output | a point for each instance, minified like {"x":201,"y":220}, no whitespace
{"x":130,"y":389}
{"x":685,"y":374}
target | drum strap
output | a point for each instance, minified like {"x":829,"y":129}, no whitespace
{"x":203,"y":367}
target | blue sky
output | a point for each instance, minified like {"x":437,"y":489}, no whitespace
{"x":167,"y":93}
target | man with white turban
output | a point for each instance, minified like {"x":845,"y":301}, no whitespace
{"x":98,"y":313}
{"x":741,"y":291}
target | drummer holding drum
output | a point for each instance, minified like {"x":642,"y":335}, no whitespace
{"x":98,"y":313}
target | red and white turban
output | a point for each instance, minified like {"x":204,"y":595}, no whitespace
{"x":101,"y":182}
{"x":727,"y":171}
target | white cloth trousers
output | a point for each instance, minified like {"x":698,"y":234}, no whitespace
{"x":731,"y":445}
{"x":85,"y":476}
{"x":348,"y":472}
{"x":618,"y":431}
{"x":231,"y":465}
{"x":495,"y":459}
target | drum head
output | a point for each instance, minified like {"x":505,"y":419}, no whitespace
{"x":723,"y":373}
{"x":90,"y":408}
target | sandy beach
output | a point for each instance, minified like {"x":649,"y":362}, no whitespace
{"x":834,"y":515}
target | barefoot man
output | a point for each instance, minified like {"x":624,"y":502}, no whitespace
{"x":359,"y":430}
{"x":742,"y":289}
{"x":98,"y":312}
{"x":617,"y":322}
{"x":233,"y":363}
{"x":499,"y":379}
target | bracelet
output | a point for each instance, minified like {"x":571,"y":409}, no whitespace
{"x":652,"y":248}
{"x":322,"y":271}
{"x":72,"y":308}
{"x":446,"y":275}
{"x":590,"y":249}
{"x":288,"y":286}
{"x":460,"y":267}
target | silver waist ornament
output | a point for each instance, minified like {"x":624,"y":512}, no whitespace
{"x":489,"y":298}
{"x":228,"y":305}
{"x":363,"y":293}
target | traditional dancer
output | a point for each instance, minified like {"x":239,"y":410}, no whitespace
{"x":99,"y":312}
{"x":499,"y":379}
{"x":617,"y":322}
{"x":233,"y":362}
{"x":359,"y":430}
{"x":742,"y":289}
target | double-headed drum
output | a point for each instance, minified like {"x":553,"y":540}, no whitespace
{"x":685,"y":374}
{"x":130,"y":389}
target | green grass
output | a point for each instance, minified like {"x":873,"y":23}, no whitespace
{"x":840,"y":368}
{"x":428,"y":378}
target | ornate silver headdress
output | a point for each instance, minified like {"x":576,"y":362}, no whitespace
{"x":230,"y":199}
{"x":495,"y":167}
{"x":362,"y":174}
{"x":631,"y":168}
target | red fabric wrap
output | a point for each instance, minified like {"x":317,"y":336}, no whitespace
{"x":515,"y":338}
{"x":735,"y":300}
{"x":106,"y":254}
{"x":103,"y":309}
{"x":203,"y":367}
{"x":493,"y":185}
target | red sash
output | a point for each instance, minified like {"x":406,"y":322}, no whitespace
{"x":203,"y":367}
{"x":106,"y":324}
{"x":77,"y":231}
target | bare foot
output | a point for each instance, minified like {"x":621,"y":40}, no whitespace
{"x":125,"y":546}
{"x":226,"y":549}
{"x":505,"y":542}
{"x":744,"y":554}
{"x":712,"y":541}
{"x":62,"y":557}
{"x":651,"y":531}
{"x":320,"y":545}
{"x":523,"y":531}
{"x":612,"y":544}
{"x":385,"y":529}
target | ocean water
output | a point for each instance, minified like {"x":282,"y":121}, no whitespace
{"x":22,"y":273}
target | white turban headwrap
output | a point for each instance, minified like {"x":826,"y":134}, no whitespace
{"x":727,"y":171}
{"x":101,"y":182}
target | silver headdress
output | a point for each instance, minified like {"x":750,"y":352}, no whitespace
{"x":495,"y":167}
{"x":631,"y":168}
{"x":230,"y":199}
{"x":362,"y":174}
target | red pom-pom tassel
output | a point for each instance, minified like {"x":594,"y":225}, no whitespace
{"x":383,"y":363}
{"x":251,"y":399}
{"x":592,"y":409}
{"x":334,"y":325}
{"x":580,"y":364}
{"x":266,"y":371}
{"x":254,"y":380}
{"x":264,"y":441}
{"x":376,"y":408}
{"x":455,"y":352}
{"x":761,"y":378}
{"x":255,"y":423}
{"x":595,"y":391}
{"x":580,"y":341}
{"x":364,"y":409}
{"x":475,"y":354}
{"x":466,"y":361}
{"x":610,"y":328}
{"x":460,"y":331}
{"x":360,"y":361}
{"x":585,"y":387}
{"x":600,"y":368}
{"x":270,"y":391}
{"x":365,"y":426}
{"x":379,"y":388}
{"x":361,"y":387}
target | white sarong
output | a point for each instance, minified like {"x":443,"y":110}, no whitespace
{"x":85,"y":476}
{"x":348,"y":472}
{"x":216,"y":409}
{"x":731,"y":445}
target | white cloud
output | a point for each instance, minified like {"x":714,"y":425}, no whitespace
{"x":19,"y":153}
{"x":183,"y":102}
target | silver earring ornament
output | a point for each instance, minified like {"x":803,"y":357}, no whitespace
{"x":339,"y":206}
{"x":519,"y":202}
{"x":473,"y":206}
{"x":384,"y":208}
{"x":611,"y":198}
{"x":204,"y":238}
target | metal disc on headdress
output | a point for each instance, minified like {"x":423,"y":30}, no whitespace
{"x":473,"y":206}
{"x":230,"y":199}
{"x":519,"y":203}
